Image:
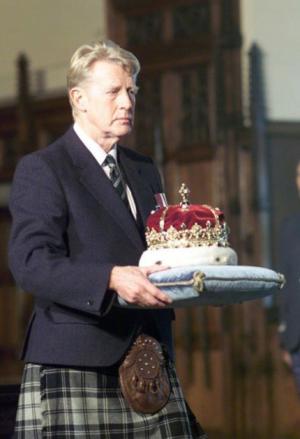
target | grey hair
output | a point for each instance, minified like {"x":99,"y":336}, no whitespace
{"x":106,"y":50}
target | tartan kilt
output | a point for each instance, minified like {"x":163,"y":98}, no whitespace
{"x":61,"y":402}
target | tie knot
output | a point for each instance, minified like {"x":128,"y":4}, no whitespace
{"x":109,"y":161}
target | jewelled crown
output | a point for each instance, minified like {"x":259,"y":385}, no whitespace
{"x":186,"y":225}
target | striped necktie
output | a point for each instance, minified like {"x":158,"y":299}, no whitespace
{"x":116,"y":177}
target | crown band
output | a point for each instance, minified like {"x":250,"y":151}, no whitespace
{"x":196,"y":236}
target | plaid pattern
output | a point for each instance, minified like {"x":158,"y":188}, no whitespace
{"x":70,"y":403}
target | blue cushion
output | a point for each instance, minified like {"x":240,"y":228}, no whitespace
{"x":215,"y":284}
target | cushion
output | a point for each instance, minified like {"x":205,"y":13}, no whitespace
{"x":214,"y":285}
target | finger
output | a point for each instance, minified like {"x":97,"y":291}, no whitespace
{"x":158,"y":294}
{"x":150,"y":300}
{"x":154,"y":269}
{"x":146,"y":289}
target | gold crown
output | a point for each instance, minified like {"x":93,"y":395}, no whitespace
{"x":210,"y":232}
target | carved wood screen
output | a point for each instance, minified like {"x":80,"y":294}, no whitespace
{"x":174,"y":41}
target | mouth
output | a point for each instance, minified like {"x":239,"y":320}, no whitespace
{"x":124,"y":120}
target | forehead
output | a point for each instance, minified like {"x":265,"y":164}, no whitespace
{"x":106,"y":73}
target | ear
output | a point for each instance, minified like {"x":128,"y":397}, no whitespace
{"x":79,"y":99}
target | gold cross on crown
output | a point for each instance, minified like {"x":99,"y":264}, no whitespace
{"x":184,"y":192}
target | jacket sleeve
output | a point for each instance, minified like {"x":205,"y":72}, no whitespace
{"x":38,"y":250}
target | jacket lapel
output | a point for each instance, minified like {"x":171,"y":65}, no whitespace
{"x":92,"y":176}
{"x":141,"y":188}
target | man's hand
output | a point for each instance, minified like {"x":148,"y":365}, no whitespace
{"x":131,"y":283}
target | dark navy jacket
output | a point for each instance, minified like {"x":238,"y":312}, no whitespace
{"x":70,"y":228}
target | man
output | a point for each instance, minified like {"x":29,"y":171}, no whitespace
{"x":79,"y":208}
{"x":290,"y":299}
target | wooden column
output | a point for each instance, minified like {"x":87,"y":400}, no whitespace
{"x":26,"y":126}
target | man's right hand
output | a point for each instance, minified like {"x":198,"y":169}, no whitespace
{"x":132,"y":284}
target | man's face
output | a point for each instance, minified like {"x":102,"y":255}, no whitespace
{"x":109,"y":101}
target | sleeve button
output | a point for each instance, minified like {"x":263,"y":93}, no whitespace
{"x":90,"y":302}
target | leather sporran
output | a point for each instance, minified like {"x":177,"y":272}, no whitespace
{"x":143,"y":376}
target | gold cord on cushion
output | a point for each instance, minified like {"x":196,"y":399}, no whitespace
{"x":197,"y":282}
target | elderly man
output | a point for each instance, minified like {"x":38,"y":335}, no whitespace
{"x":79,"y":208}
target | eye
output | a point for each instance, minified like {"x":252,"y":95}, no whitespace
{"x":113,"y":91}
{"x":133,"y":91}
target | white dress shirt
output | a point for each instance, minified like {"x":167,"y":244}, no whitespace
{"x":100,"y":155}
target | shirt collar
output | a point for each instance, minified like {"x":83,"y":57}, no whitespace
{"x":95,"y":149}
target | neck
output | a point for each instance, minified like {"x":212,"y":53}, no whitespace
{"x":104,"y":141}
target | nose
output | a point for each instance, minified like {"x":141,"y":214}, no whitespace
{"x":126,"y":100}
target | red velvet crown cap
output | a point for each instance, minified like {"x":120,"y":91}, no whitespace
{"x":186,"y":225}
{"x":178,"y":217}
